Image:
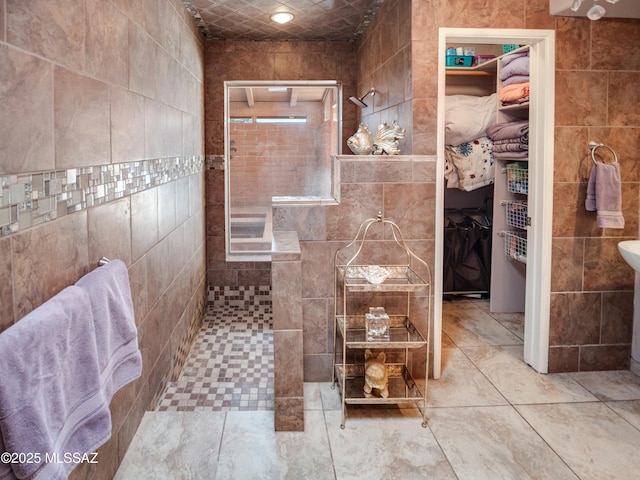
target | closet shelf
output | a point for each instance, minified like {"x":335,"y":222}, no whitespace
{"x":468,"y":71}
{"x":520,"y":107}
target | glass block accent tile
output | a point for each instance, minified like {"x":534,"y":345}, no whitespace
{"x":29,"y":199}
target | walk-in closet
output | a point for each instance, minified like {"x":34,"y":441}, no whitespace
{"x":495,"y":158}
{"x":486,"y":173}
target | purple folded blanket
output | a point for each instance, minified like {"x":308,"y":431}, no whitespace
{"x":511,"y":147}
{"x":524,"y":139}
{"x":508,"y":130}
{"x":517,"y":66}
{"x":521,"y":155}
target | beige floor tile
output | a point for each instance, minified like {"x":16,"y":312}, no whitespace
{"x":312,"y":396}
{"x":590,"y":437}
{"x":330,"y":396}
{"x":628,"y":409}
{"x":494,"y":443}
{"x":475,"y":327}
{"x":514,"y":322}
{"x":490,"y":416}
{"x":174,"y":445}
{"x":251,"y":449}
{"x":379,"y":443}
{"x":461,"y":384}
{"x":519,"y":383}
{"x":615,"y":385}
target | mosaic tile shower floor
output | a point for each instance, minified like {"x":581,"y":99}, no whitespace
{"x":230,"y":365}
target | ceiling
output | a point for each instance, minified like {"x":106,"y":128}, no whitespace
{"x":314,"y":20}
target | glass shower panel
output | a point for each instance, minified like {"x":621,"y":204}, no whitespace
{"x":281,"y":141}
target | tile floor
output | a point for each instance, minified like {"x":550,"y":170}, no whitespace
{"x":230,"y":365}
{"x":490,"y":417}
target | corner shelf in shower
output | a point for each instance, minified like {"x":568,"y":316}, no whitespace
{"x":352,"y":287}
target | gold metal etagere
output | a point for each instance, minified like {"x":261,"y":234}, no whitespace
{"x":354,"y":292}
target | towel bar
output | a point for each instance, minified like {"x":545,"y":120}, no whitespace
{"x":103,"y":261}
{"x":594,"y":146}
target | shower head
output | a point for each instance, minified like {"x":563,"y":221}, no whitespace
{"x":359,"y":101}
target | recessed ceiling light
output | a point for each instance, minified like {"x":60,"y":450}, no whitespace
{"x":282,"y":17}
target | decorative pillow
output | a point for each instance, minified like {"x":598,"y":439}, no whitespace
{"x":450,"y":171}
{"x":474,"y":163}
{"x":467,"y":117}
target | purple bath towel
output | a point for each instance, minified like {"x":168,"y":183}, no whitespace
{"x":51,"y":400}
{"x":604,"y":195}
{"x":508,"y":130}
{"x":119,"y":357}
{"x":517,"y":66}
{"x":521,"y":155}
{"x":510,"y":147}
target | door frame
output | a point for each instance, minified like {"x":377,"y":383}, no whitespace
{"x":540,"y":199}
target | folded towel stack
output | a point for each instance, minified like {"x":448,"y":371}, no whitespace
{"x":514,"y":78}
{"x":604,"y":195}
{"x":510,"y":140}
{"x":60,"y":366}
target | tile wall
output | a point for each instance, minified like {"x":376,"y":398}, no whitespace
{"x":385,"y":62}
{"x":102,"y":155}
{"x":403,"y":189}
{"x":262,"y":168}
{"x":288,"y":336}
{"x":260,"y":61}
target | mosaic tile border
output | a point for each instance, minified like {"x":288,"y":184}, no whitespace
{"x":29,"y":199}
{"x":214,"y":162}
{"x":239,"y":296}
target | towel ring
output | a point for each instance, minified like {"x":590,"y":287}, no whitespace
{"x":594,"y":146}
